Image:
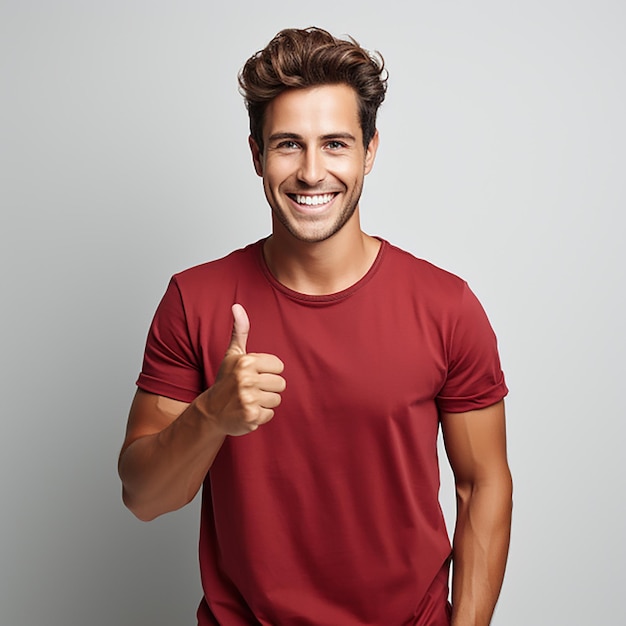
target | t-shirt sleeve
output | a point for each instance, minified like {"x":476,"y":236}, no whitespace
{"x":475,"y":379}
{"x":171,"y":366}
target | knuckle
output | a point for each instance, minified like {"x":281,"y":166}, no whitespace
{"x":252,"y":414}
{"x":245,"y":380}
{"x":246,"y":361}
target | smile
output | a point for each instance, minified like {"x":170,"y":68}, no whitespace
{"x":312,"y":200}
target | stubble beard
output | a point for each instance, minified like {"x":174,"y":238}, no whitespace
{"x":320,"y":234}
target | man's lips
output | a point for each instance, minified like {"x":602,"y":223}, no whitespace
{"x":312,"y":200}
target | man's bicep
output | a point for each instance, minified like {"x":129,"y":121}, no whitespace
{"x":475,"y":443}
{"x":150,"y":414}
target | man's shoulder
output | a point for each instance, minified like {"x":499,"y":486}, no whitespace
{"x":223,"y":268}
{"x":423,"y":272}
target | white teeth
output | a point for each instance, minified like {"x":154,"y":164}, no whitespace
{"x":314,"y":200}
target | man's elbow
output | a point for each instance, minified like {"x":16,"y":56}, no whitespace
{"x":146,"y":511}
{"x":498,"y":483}
{"x":142,"y":513}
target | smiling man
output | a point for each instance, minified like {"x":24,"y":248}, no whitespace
{"x":301,"y":382}
{"x":315,"y":193}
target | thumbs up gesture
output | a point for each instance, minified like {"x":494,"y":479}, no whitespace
{"x":248,"y":385}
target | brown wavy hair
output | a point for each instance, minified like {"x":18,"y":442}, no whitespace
{"x":300,"y":58}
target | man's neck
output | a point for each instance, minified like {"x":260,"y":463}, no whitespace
{"x":323,"y":267}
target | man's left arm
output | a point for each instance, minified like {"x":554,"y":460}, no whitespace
{"x":476,"y":446}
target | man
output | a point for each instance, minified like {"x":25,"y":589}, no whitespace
{"x":302,"y":380}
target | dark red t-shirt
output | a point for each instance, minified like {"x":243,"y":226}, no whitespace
{"x":329,"y":515}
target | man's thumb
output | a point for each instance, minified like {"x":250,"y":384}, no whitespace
{"x":241,"y":328}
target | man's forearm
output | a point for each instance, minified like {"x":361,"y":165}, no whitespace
{"x":162,"y":472}
{"x":481,"y":543}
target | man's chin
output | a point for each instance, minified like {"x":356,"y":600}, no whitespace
{"x":311,"y":230}
{"x":312,"y":234}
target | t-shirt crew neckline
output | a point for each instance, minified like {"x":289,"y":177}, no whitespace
{"x":324,"y":298}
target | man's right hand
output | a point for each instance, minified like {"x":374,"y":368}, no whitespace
{"x":170,"y":445}
{"x":248,"y":386}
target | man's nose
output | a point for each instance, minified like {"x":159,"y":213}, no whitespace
{"x":311,"y":170}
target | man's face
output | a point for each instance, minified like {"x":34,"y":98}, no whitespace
{"x":314,"y":160}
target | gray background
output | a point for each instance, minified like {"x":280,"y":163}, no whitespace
{"x":124,"y":159}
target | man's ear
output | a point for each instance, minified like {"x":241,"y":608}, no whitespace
{"x":370,"y":153}
{"x":257,"y":156}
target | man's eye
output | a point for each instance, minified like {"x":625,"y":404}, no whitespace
{"x":336,"y":145}
{"x":288,"y":145}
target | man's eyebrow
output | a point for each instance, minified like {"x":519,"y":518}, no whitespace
{"x":328,"y":136}
{"x":347,"y":136}
{"x":279,"y":136}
